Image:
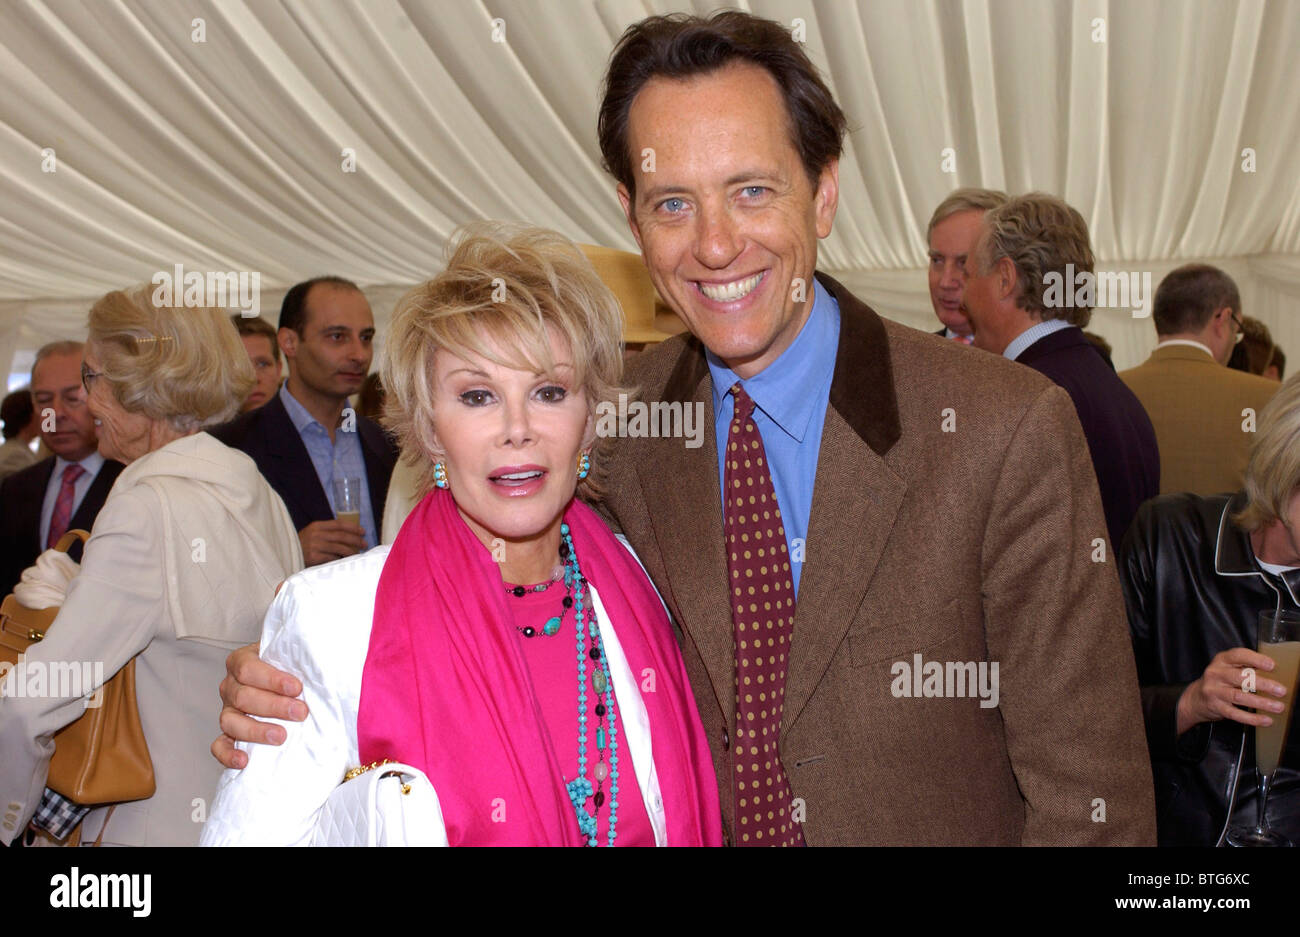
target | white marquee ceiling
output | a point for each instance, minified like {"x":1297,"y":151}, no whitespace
{"x":228,"y":154}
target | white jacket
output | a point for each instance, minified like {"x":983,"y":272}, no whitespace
{"x":318,"y":629}
{"x":180,"y":568}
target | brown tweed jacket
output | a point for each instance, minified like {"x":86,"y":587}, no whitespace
{"x":972,"y":544}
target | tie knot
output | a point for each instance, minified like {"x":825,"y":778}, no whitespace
{"x":72,"y":472}
{"x":744,"y":403}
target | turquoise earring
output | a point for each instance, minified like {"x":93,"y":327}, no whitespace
{"x":584,"y":465}
{"x":440,"y":475}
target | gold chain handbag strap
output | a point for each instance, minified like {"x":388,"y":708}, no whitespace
{"x":362,"y":769}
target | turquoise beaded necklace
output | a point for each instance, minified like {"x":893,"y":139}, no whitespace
{"x":581,"y":789}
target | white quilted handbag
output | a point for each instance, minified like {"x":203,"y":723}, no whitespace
{"x":381,"y":804}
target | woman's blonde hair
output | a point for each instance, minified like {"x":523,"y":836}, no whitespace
{"x":506,"y":286}
{"x":186,"y":366}
{"x":1273,"y":471}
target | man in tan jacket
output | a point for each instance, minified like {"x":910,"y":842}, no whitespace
{"x":1204,"y":412}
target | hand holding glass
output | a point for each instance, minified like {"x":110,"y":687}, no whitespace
{"x":1279,"y":640}
{"x":347,"y":500}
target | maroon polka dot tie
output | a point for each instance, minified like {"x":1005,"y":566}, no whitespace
{"x":762,"y":614}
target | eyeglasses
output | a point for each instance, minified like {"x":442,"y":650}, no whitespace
{"x":88,"y":376}
{"x":1240,"y":334}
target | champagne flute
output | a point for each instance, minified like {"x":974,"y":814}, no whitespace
{"x":1279,"y":640}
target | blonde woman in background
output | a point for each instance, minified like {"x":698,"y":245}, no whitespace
{"x":183,"y":561}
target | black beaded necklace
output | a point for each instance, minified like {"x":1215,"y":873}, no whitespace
{"x":553,"y":624}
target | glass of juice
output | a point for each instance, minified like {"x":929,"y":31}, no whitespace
{"x":1279,"y":640}
{"x":347,"y":500}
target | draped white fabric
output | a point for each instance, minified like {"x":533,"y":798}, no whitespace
{"x":230,"y":153}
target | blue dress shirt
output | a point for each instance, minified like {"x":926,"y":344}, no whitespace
{"x":790,"y":399}
{"x":92,"y":464}
{"x":341,"y":458}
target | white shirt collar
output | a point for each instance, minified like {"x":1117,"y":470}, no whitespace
{"x":1186,"y":341}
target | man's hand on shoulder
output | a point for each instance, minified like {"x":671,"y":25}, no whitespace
{"x":254,"y":688}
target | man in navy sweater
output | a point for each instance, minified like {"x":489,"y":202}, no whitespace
{"x":1017,"y":280}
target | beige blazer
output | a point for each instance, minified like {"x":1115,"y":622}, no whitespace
{"x":1199,"y":409}
{"x":15,"y":456}
{"x":180,"y":569}
{"x":975,"y":544}
{"x":401,"y":500}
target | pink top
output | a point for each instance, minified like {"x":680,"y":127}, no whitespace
{"x":446,"y":687}
{"x":553,"y":668}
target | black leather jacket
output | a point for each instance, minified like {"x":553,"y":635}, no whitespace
{"x":1193,"y":589}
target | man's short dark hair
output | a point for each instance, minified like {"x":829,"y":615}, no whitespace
{"x":257,"y":326}
{"x":17,"y":411}
{"x":1188,"y":297}
{"x":293,"y":311}
{"x":1279,"y":362}
{"x":681,"y":45}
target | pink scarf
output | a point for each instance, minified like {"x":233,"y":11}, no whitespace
{"x":445,"y":687}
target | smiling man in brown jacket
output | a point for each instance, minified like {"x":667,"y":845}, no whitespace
{"x":957,"y":668}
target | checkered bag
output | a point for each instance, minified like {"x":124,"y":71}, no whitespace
{"x":57,"y":815}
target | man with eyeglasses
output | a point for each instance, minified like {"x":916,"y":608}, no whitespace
{"x":65,"y":491}
{"x":1204,"y":412}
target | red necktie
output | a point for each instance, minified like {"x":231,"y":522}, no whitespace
{"x":762,"y":614}
{"x":964,"y":339}
{"x":63,"y":504}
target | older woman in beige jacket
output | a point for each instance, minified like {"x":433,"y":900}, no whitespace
{"x":181,"y":566}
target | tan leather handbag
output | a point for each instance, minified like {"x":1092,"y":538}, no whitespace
{"x":102,"y":758}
